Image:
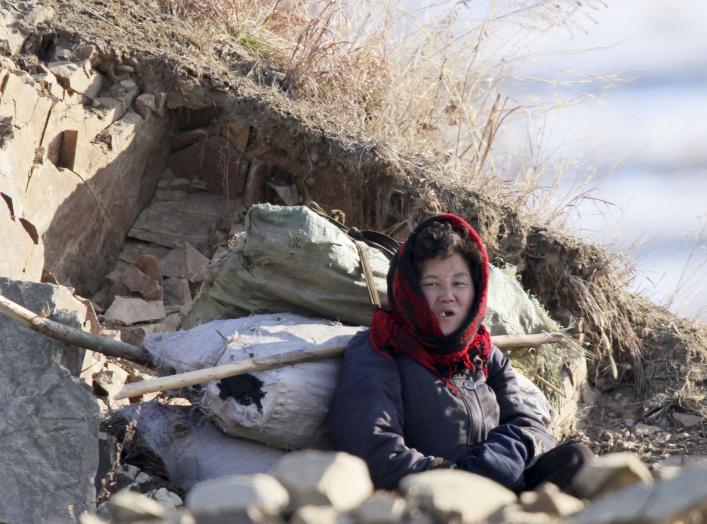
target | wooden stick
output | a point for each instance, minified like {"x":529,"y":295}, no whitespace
{"x":200,"y":376}
{"x":511,"y":342}
{"x":59,"y":331}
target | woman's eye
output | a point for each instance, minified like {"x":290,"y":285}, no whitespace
{"x":430,"y":284}
{"x":460,"y":284}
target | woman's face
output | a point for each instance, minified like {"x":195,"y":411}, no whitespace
{"x":449,"y":290}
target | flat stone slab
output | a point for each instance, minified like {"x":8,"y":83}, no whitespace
{"x":49,"y":422}
{"x":171,"y":223}
{"x":129,"y":311}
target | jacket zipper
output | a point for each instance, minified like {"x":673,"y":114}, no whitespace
{"x":483,"y":415}
{"x":467,"y":408}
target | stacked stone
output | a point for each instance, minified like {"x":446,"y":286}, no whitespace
{"x":316,"y":487}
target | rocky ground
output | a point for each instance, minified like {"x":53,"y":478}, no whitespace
{"x":616,"y":421}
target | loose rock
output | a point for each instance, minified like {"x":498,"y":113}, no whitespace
{"x":324,"y":478}
{"x":380,"y":508}
{"x":128,"y":311}
{"x":49,"y":423}
{"x":320,"y":515}
{"x":238,"y":498}
{"x":609,"y":473}
{"x":455,"y":495}
{"x":128,"y":506}
{"x":682,"y":498}
{"x":548,"y":498}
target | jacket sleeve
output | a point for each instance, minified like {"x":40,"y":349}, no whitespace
{"x":366,"y":416}
{"x":520,"y":435}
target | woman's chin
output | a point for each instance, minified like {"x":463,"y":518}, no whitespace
{"x":448,"y":328}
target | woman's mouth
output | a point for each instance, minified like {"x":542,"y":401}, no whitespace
{"x":444,"y":315}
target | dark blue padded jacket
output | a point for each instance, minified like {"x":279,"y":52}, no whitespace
{"x":399,"y":418}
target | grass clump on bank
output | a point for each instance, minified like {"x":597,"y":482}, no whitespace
{"x":424,"y":80}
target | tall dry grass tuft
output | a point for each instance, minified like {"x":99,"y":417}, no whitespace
{"x":424,"y":78}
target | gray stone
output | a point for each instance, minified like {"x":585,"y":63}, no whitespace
{"x":129,"y":506}
{"x":239,"y":498}
{"x":383,"y":507}
{"x":548,"y":498}
{"x":161,"y":104}
{"x":49,"y":423}
{"x":687,"y":420}
{"x":514,"y":514}
{"x":453,"y":494}
{"x":149,"y":265}
{"x":145,"y":105}
{"x":608,"y":473}
{"x":645,"y":429}
{"x":320,"y":515}
{"x":133,"y":250}
{"x":174,"y":184}
{"x":128,"y":311}
{"x":109,"y":380}
{"x":682,"y":498}
{"x":185,"y":262}
{"x":140,"y":284}
{"x":39,"y":15}
{"x":324,"y":478}
{"x":77,"y":77}
{"x":90,"y":518}
{"x":176,"y":291}
{"x":125,"y":91}
{"x":171,"y":223}
{"x":166,"y":498}
{"x":131,"y":477}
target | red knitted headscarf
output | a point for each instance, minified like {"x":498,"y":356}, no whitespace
{"x":409,"y":327}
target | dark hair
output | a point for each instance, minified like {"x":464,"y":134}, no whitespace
{"x":441,"y":240}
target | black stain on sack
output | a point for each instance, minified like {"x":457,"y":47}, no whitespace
{"x":244,"y":389}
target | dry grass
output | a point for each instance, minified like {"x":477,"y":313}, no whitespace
{"x":425,"y":81}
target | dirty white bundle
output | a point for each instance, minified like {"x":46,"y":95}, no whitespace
{"x":287,"y":410}
{"x":283,"y":407}
{"x":191,"y":448}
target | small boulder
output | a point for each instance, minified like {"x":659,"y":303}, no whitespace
{"x":687,"y":420}
{"x":145,"y":105}
{"x":320,"y":515}
{"x":682,"y":498}
{"x":185,"y":262}
{"x":79,"y":78}
{"x":176,"y":292}
{"x":382,"y":507}
{"x":167,"y":499}
{"x":645,"y":430}
{"x":453,"y":494}
{"x":548,"y":498}
{"x":128,"y":311}
{"x":129,"y":506}
{"x":108,"y":381}
{"x":138,"y":283}
{"x":608,"y":473}
{"x":238,"y":498}
{"x":323,"y":478}
{"x":149,"y":265}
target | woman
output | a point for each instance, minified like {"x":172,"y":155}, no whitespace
{"x":425,"y":389}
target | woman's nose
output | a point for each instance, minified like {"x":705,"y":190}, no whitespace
{"x":446,"y":294}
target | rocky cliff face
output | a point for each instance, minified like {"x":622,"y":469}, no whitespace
{"x":77,"y":164}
